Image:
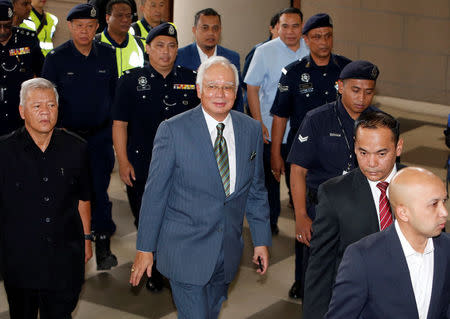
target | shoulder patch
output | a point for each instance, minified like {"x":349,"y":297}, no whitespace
{"x":284,"y":71}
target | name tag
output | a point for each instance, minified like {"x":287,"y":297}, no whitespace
{"x":306,"y":88}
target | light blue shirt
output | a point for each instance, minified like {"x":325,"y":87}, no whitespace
{"x":265,"y":71}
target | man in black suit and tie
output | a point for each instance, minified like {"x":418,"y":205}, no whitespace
{"x":402,"y":272}
{"x":351,"y":206}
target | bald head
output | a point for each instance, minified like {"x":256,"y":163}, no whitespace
{"x":418,"y":198}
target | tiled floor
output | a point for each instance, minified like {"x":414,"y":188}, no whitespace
{"x":108,"y":295}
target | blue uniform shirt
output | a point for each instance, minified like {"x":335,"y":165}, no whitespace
{"x":304,"y":86}
{"x":320,"y":145}
{"x":265,"y":71}
{"x":85,"y":84}
{"x":144,"y":99}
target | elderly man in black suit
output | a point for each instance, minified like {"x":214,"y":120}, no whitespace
{"x":351,"y":206}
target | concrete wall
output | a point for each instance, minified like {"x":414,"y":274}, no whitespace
{"x":244,"y":23}
{"x":408,"y":39}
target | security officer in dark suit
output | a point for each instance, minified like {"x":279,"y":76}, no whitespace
{"x":304,"y":85}
{"x":323,"y":146}
{"x":85,"y":74}
{"x":21,"y":60}
{"x":146,"y":97}
{"x":44,"y":209}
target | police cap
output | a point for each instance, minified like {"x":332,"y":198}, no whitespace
{"x":6,"y":10}
{"x":360,"y":69}
{"x":317,"y":21}
{"x":82,"y":11}
{"x":165,"y":28}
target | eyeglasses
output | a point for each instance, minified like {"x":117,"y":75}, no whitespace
{"x":318,"y":37}
{"x":227,"y":89}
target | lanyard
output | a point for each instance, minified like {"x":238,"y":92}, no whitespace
{"x":350,"y":153}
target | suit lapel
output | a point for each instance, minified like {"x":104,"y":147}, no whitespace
{"x":438,"y":279}
{"x":206,"y":148}
{"x":362,"y":188}
{"x":195,"y":57}
{"x":399,"y":267}
{"x":240,"y":143}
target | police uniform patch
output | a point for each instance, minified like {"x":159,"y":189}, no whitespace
{"x":305,"y":77}
{"x":184,"y":87}
{"x":10,"y":13}
{"x":171,"y":30}
{"x":19,"y":51}
{"x":142,"y":81}
{"x":283,"y":88}
{"x":93,"y":13}
{"x":374,"y":72}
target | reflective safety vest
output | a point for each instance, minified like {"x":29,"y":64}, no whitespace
{"x":46,"y":32}
{"x":143,"y":31}
{"x":129,"y":57}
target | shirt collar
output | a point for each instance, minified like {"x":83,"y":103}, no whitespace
{"x":407,"y":249}
{"x":388,"y":179}
{"x":147,"y":26}
{"x":114,"y":43}
{"x":29,"y":144}
{"x":93,"y":51}
{"x":172,"y":72}
{"x":202,"y":55}
{"x":285,"y":46}
{"x":212,"y":123}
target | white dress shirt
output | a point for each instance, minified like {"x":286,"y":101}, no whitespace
{"x":376,"y":192}
{"x":203,"y":56}
{"x":228,"y":134}
{"x":421,"y":269}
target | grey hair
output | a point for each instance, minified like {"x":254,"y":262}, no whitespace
{"x":36,"y":84}
{"x":213,"y":61}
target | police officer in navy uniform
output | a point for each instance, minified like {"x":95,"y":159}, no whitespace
{"x":304,"y":85}
{"x":146,"y":97}
{"x":20,"y":60}
{"x":85,"y":74}
{"x":323,"y":146}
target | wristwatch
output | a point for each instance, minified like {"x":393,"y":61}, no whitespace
{"x":89,"y":237}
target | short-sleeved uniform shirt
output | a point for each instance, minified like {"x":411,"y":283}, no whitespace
{"x":41,"y":232}
{"x":265,"y":71}
{"x":304,"y":86}
{"x":85,"y":84}
{"x":144,"y":99}
{"x":21,"y":60}
{"x":320,"y":145}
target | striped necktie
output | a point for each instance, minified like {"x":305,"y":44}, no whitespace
{"x":385,"y":208}
{"x":221,"y":154}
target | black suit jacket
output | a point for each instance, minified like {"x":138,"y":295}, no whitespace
{"x":345,"y":213}
{"x":373,"y":280}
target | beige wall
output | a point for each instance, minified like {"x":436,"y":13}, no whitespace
{"x":408,"y":39}
{"x":244,"y":22}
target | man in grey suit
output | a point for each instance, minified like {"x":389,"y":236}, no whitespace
{"x":349,"y":206}
{"x":206,"y":172}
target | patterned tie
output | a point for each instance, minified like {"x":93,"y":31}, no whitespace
{"x":385,"y":208}
{"x":221,"y":153}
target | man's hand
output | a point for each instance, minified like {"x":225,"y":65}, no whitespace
{"x":277,"y":165}
{"x":263,"y":253}
{"x":126,"y":172}
{"x":143,"y":262}
{"x":265,"y":133}
{"x":303,"y":229}
{"x":87,"y":250}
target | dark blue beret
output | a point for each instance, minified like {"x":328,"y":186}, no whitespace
{"x":6,"y":10}
{"x":360,"y":69}
{"x":165,"y":28}
{"x":317,"y":21}
{"x":82,"y":11}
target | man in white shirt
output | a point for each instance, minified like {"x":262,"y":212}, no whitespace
{"x":349,"y":206}
{"x":402,"y":272}
{"x":206,"y":173}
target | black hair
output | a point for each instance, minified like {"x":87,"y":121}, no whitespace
{"x":292,"y":10}
{"x":275,"y":19}
{"x":206,"y":12}
{"x":110,"y":4}
{"x":378,"y":119}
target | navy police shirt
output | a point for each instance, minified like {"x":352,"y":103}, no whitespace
{"x":304,"y":86}
{"x":320,"y":145}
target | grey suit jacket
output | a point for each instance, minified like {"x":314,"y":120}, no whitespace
{"x":185,"y":216}
{"x":345,"y":213}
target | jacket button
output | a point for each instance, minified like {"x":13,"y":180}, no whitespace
{"x":45,"y":179}
{"x":46,"y":199}
{"x":48,"y":220}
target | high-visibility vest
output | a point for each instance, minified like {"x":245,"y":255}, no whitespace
{"x":46,"y":33}
{"x":142,"y":31}
{"x":129,"y":57}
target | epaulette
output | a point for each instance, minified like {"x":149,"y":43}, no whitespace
{"x":295,"y":64}
{"x":7,"y":136}
{"x":25,"y":32}
{"x":106,"y":45}
{"x":65,"y":131}
{"x":184,"y":68}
